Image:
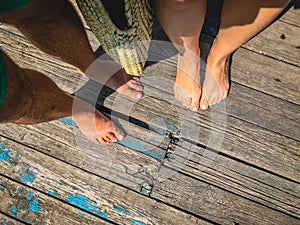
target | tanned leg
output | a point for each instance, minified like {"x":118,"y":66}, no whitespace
{"x":32,"y":97}
{"x":182,"y":21}
{"x":240,"y":21}
{"x":55,"y":28}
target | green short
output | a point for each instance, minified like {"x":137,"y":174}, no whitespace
{"x":8,"y":5}
{"x":3,"y":79}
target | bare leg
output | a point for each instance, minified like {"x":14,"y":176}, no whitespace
{"x":32,"y":97}
{"x":182,"y":21}
{"x":240,"y":21}
{"x":55,"y":28}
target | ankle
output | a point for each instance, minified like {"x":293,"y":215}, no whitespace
{"x":216,"y":59}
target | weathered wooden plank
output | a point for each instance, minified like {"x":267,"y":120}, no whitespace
{"x":5,"y":220}
{"x":205,"y":199}
{"x":28,"y":56}
{"x":236,"y":177}
{"x":279,"y":41}
{"x":98,"y":197}
{"x":278,"y":116}
{"x":134,"y":163}
{"x":291,"y":17}
{"x":34,"y":207}
{"x":267,"y":75}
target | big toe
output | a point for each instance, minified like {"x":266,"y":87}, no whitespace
{"x":204,"y":102}
{"x":195,"y":104}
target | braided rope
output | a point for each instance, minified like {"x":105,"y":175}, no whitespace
{"x":129,"y":47}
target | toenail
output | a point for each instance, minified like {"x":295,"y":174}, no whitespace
{"x":203,"y":107}
{"x":195,"y":109}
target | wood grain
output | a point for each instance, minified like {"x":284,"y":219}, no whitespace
{"x":118,"y":163}
{"x":291,"y":17}
{"x":4,"y":219}
{"x":244,"y":129}
{"x":236,"y":177}
{"x":266,"y":75}
{"x":223,"y":207}
{"x":100,"y":197}
{"x":280,"y":41}
{"x":34,"y":207}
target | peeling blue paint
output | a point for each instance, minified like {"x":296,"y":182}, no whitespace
{"x":52,"y":193}
{"x":137,"y":145}
{"x":144,"y":191}
{"x":86,"y":204}
{"x":26,"y":174}
{"x":84,"y":216}
{"x":120,"y":209}
{"x":136,"y":222}
{"x":14,"y":209}
{"x":30,"y":203}
{"x":7,"y":155}
{"x":139,"y":213}
{"x":30,"y":196}
{"x":68,"y":120}
{"x":33,"y":206}
{"x":2,"y":187}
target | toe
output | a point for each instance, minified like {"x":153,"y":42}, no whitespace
{"x":195,"y":105}
{"x":101,"y":140}
{"x":112,"y":137}
{"x":204,"y":102}
{"x":137,"y":78}
{"x":107,"y":140}
{"x":135,"y":85}
{"x":195,"y":102}
{"x":225,"y":93}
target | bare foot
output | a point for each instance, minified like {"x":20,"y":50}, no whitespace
{"x":216,"y":83}
{"x":94,"y":125}
{"x":126,"y":84}
{"x":112,"y":75}
{"x":187,"y":88}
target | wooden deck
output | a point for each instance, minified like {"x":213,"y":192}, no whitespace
{"x":237,"y":163}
